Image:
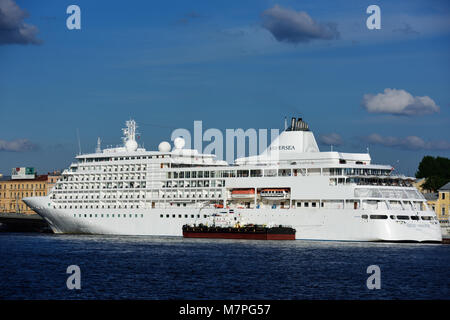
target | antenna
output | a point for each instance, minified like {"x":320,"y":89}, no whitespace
{"x":79,"y":144}
{"x":130,"y":131}
{"x":99,"y":147}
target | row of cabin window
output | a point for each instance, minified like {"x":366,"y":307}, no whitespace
{"x":85,"y":160}
{"x":105,"y":177}
{"x":398,"y":217}
{"x":306,"y":204}
{"x":358,"y":171}
{"x":96,"y":207}
{"x":107,"y":215}
{"x":194,"y":183}
{"x":181,"y":216}
{"x":101,"y":187}
{"x":269,"y":172}
{"x":109,"y":196}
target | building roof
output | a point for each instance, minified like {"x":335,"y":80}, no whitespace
{"x":431,"y":196}
{"x":43,"y":177}
{"x":445,"y":187}
{"x":54,"y":173}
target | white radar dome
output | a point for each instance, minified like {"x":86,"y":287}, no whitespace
{"x":131,"y":145}
{"x":164,"y":147}
{"x":179,"y":143}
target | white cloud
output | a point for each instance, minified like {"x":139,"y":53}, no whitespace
{"x":18,"y":145}
{"x":409,"y":142}
{"x":395,"y":101}
{"x":331,"y":139}
{"x":406,"y":29}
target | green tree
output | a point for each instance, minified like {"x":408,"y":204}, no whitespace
{"x":436,"y":171}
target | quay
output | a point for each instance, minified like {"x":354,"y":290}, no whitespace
{"x":19,"y":222}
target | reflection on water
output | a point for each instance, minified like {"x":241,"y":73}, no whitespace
{"x":143,"y":267}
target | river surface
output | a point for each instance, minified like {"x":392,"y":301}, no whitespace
{"x":34,"y":266}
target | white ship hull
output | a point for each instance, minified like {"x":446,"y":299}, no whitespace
{"x":310,"y":224}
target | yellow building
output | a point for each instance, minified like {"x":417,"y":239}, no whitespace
{"x":440,"y":202}
{"x":53,"y":177}
{"x":12,"y":191}
{"x":21,"y":184}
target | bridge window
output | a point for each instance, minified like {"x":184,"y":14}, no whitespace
{"x":256,"y":173}
{"x":242,"y":173}
{"x":378,"y":216}
{"x":395,"y":205}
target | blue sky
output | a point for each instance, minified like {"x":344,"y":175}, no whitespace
{"x":168,"y":63}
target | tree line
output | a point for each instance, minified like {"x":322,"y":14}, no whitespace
{"x":435,"y":170}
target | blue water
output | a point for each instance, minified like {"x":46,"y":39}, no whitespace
{"x":33,"y":266}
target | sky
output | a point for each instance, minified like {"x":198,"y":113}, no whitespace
{"x":230,"y":64}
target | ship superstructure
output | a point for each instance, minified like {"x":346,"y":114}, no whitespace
{"x":323,"y":195}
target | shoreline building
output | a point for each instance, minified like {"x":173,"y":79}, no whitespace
{"x":440,"y":202}
{"x":53,"y":177}
{"x":23,"y":182}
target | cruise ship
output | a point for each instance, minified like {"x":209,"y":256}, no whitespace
{"x":128,"y":190}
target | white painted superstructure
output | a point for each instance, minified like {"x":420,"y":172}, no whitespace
{"x":323,"y":195}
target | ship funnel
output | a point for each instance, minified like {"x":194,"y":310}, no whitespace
{"x":301,"y":125}
{"x":292,"y":124}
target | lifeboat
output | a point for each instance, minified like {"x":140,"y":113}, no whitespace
{"x":242,"y":193}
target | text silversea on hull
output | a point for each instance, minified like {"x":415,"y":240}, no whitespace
{"x":322,"y":195}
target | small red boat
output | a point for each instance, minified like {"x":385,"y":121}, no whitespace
{"x":250,"y":232}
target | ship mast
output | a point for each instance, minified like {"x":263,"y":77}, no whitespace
{"x":129,"y":138}
{"x":99,"y":148}
{"x":130,"y":131}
